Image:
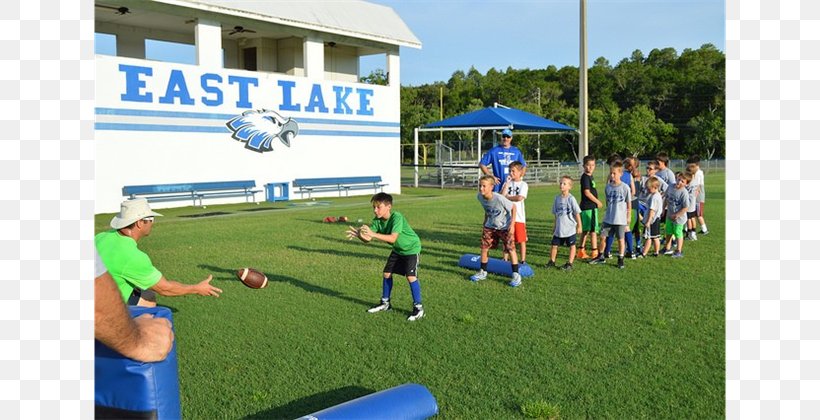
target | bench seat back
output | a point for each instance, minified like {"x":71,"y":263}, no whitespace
{"x":129,"y":190}
{"x":309,"y":182}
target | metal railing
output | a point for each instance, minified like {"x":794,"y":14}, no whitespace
{"x":465,"y":174}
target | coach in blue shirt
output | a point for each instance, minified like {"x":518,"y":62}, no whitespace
{"x":500,"y":158}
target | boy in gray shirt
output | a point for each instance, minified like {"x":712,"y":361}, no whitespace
{"x":618,"y":208}
{"x":567,"y":223}
{"x":499,"y":227}
{"x":677,"y":203}
{"x":652,"y":220}
{"x":664,"y":173}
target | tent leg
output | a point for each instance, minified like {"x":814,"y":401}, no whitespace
{"x":416,"y":157}
{"x":478,"y":140}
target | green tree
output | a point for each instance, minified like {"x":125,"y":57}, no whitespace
{"x":638,"y":131}
{"x":376,"y":77}
{"x":641,"y":105}
{"x":708,"y":134}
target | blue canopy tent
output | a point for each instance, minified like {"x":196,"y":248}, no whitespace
{"x":493,"y":119}
{"x":500,"y":118}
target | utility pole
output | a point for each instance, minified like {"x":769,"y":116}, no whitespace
{"x":583,"y":129}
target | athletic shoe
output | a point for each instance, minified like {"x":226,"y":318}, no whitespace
{"x":550,"y":264}
{"x":418,"y":312}
{"x":582,"y":254}
{"x":657,"y":254}
{"x":594,"y":254}
{"x":620,"y":262}
{"x":704,"y":231}
{"x":384,"y":305}
{"x":694,"y":235}
{"x":599,"y":260}
{"x":608,"y":255}
{"x":641,"y":256}
{"x":677,"y":255}
{"x":566,"y":267}
{"x":478,"y":276}
{"x":516,"y":280}
{"x":668,"y":252}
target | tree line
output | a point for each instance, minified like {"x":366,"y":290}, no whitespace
{"x":645,"y":104}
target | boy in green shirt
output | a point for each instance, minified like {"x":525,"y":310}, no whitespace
{"x":391,"y":227}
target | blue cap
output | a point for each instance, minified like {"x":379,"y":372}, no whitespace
{"x":506,"y":132}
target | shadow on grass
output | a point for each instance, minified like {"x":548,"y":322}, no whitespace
{"x":312,"y":288}
{"x":229,"y":273}
{"x":308,"y":287}
{"x":264,"y":209}
{"x":463,"y":237}
{"x":329,"y":224}
{"x":209,"y":214}
{"x":313,"y":403}
{"x":336,"y":252}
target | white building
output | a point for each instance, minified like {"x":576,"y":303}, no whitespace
{"x":161,"y":122}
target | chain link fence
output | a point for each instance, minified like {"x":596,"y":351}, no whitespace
{"x":465,"y":174}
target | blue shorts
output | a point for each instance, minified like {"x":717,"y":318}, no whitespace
{"x":568,"y":241}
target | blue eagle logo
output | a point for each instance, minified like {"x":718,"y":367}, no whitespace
{"x":258,"y":129}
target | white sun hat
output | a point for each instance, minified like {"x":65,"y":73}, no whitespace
{"x":131,"y":211}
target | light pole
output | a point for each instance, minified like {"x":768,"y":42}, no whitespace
{"x":583,"y":129}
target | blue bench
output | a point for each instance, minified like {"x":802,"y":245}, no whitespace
{"x":192,"y":191}
{"x":311,"y":185}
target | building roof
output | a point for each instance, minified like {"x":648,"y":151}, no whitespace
{"x":352,"y":18}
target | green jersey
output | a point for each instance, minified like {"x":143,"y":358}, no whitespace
{"x":408,"y":243}
{"x":130,"y":267}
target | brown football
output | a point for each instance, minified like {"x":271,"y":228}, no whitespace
{"x":252,"y":278}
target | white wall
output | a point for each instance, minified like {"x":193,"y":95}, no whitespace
{"x":149,"y":142}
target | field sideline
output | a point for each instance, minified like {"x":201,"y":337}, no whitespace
{"x":643,"y":342}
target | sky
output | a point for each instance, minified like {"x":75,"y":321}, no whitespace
{"x":458,"y":34}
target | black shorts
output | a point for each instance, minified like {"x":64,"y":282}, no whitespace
{"x":137,"y":294}
{"x":568,"y":241}
{"x":403,"y":265}
{"x":654,"y":230}
{"x":691,"y":215}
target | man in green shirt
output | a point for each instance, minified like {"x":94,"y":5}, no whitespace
{"x":391,"y":227}
{"x":132,"y":270}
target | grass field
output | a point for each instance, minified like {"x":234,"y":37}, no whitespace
{"x":643,"y":342}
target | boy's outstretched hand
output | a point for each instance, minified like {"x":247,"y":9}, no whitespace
{"x":360,"y":233}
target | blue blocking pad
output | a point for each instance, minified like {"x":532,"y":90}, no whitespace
{"x":126,"y":388}
{"x":404,"y":402}
{"x":494,"y":265}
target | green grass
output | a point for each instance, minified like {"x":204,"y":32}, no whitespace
{"x":540,"y":410}
{"x":644,"y":342}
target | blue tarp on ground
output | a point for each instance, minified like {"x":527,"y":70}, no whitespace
{"x":500,"y":117}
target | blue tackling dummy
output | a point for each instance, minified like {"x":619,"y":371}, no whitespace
{"x":494,"y":265}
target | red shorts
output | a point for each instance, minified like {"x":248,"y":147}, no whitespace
{"x":490,"y":238}
{"x":520,"y":232}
